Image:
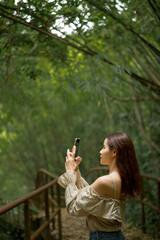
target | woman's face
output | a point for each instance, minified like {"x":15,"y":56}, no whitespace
{"x":106,"y":155}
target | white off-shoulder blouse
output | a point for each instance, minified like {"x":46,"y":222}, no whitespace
{"x":102,"y":213}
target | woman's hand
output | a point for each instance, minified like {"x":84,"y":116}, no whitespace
{"x":72,"y":162}
{"x":78,"y":161}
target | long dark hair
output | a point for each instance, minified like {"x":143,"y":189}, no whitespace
{"x":126,"y":163}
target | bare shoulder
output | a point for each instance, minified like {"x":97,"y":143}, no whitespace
{"x":104,"y":186}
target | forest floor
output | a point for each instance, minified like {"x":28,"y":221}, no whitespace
{"x":74,"y":228}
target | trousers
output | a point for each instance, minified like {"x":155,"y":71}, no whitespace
{"x":100,"y":235}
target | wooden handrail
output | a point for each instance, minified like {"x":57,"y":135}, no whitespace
{"x":26,"y":201}
{"x":96,"y":169}
{"x":150,"y":177}
{"x":21,"y":200}
{"x":42,"y":170}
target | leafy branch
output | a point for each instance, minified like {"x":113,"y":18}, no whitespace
{"x":145,"y":82}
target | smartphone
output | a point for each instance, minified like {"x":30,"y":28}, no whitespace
{"x":76,"y":143}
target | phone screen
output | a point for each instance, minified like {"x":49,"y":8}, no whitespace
{"x":76,"y":143}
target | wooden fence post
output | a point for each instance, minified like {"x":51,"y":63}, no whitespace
{"x":27,"y":221}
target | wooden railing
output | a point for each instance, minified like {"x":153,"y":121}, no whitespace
{"x":98,"y":171}
{"x":45,"y":183}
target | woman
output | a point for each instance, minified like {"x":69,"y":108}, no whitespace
{"x":103,"y":202}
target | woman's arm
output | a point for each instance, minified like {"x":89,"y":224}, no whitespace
{"x":80,"y":181}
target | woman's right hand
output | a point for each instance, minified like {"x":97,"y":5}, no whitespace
{"x":78,"y":161}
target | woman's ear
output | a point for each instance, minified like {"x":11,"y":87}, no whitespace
{"x":114,"y":152}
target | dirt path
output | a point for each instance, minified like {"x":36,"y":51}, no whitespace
{"x":75,"y":229}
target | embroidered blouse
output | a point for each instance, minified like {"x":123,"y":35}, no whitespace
{"x":102,"y":213}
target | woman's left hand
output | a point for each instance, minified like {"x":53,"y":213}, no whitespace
{"x":70,"y":163}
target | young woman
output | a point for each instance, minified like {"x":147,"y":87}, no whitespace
{"x":103,"y":202}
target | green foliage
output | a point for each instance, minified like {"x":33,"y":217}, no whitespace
{"x":101,"y":77}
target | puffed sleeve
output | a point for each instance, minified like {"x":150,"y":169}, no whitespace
{"x":68,"y":181}
{"x":80,"y":181}
{"x":64,"y":179}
